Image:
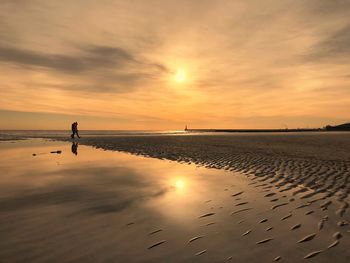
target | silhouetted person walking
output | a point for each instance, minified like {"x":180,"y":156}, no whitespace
{"x":75,"y":130}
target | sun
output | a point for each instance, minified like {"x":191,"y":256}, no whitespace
{"x":180,"y":76}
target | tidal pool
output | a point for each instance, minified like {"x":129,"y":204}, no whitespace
{"x":64,"y":202}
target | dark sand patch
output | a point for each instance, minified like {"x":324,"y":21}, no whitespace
{"x":206,"y":215}
{"x":200,"y":252}
{"x":157,"y":244}
{"x":264,"y":241}
{"x":307,"y":238}
{"x":195,"y":238}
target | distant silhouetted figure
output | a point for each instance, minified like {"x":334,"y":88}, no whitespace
{"x":75,"y":148}
{"x":75,"y":130}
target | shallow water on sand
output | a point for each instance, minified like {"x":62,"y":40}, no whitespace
{"x":82,"y":204}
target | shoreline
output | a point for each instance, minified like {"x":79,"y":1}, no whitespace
{"x":258,"y":130}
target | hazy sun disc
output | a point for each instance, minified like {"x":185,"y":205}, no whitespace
{"x":180,"y":76}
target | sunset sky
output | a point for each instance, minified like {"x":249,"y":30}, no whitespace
{"x":162,"y":64}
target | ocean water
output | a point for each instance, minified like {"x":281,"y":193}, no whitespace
{"x":16,"y":134}
{"x":19,"y":134}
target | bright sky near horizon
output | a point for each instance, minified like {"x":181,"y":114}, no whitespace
{"x":161,"y":64}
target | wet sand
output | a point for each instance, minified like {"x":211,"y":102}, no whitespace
{"x":221,"y":198}
{"x":320,"y":161}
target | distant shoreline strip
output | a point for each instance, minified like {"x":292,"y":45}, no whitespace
{"x":256,"y":130}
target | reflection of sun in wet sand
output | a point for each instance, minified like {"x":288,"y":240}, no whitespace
{"x":172,"y":206}
{"x":180,"y":184}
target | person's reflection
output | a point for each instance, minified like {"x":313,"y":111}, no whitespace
{"x":75,"y":148}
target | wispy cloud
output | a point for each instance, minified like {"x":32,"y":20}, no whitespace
{"x":243,"y":59}
{"x":94,"y":58}
{"x":109,"y":65}
{"x":334,"y":48}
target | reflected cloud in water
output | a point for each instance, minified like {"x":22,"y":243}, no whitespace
{"x":97,"y":190}
{"x":110,"y":206}
{"x":96,"y":182}
{"x":99,"y":193}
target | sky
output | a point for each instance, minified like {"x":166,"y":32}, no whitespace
{"x":162,"y":64}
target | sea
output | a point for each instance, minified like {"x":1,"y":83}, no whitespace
{"x":18,"y":134}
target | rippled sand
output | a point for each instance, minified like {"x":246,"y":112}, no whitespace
{"x":269,"y":198}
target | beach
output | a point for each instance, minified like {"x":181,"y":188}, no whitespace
{"x":176,"y":198}
{"x":181,"y":131}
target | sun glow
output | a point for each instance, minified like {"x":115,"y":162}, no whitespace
{"x":180,"y":76}
{"x":179,"y":184}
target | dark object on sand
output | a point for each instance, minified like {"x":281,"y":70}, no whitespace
{"x":58,"y":152}
{"x":34,"y":154}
